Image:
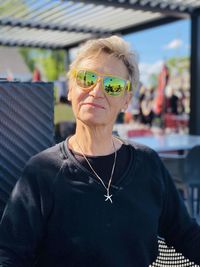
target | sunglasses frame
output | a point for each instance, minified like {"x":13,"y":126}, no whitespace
{"x":100,"y":76}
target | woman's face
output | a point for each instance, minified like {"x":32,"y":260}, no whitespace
{"x":95,"y":107}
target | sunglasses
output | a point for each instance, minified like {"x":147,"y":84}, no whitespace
{"x":112,"y":85}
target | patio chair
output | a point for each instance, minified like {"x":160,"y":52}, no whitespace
{"x":139,"y":132}
{"x":26,"y":119}
{"x":192,"y":180}
{"x":170,"y":121}
{"x":168,"y":257}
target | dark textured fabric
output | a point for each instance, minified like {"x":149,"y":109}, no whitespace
{"x":57,"y":216}
{"x":99,"y":163}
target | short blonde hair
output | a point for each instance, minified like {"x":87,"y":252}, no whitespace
{"x":113,"y":45}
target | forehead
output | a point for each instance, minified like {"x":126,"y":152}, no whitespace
{"x":105,"y":64}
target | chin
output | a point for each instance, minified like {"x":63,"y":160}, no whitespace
{"x":93,"y":121}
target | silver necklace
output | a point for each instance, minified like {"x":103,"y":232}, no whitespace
{"x":107,"y":196}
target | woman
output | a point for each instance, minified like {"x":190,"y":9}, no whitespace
{"x":95,"y":200}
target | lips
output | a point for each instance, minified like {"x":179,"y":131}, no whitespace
{"x":93,"y":105}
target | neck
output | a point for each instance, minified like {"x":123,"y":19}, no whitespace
{"x":93,"y":141}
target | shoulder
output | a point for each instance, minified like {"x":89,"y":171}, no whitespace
{"x":147,"y":160}
{"x":45,"y":164}
{"x":147,"y":157}
{"x":150,"y":162}
{"x":142,"y":151}
{"x":49,"y":156}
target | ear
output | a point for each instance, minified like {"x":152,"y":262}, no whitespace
{"x":70,"y":86}
{"x":69,"y":95}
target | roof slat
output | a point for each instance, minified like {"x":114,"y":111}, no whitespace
{"x":63,"y":23}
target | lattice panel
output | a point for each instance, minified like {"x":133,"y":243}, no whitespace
{"x":168,"y":257}
{"x":26,"y":128}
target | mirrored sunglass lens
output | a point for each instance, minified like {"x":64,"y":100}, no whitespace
{"x":86,"y":78}
{"x":114,"y":86}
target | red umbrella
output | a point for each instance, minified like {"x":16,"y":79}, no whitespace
{"x":160,"y":97}
{"x":36,"y":75}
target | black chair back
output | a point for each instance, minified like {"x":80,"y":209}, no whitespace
{"x":192,"y":179}
{"x":192,"y":166}
{"x":26,"y":128}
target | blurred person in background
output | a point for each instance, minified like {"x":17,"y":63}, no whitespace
{"x":146,"y":107}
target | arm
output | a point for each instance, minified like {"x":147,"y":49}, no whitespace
{"x":23,"y":221}
{"x":176,"y":226}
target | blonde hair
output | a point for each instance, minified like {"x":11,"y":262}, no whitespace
{"x":113,"y":45}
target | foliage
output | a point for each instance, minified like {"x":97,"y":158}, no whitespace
{"x":49,"y":62}
{"x":53,"y":64}
{"x":6,"y":6}
{"x":153,"y":80}
{"x":178,"y":64}
{"x":63,"y":112}
{"x":30,"y":62}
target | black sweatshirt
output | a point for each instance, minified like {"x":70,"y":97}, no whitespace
{"x":57,"y":215}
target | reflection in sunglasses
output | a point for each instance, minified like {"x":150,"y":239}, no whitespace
{"x":112,"y":85}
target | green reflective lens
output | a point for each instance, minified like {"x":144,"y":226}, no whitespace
{"x":114,"y":85}
{"x":86,"y":78}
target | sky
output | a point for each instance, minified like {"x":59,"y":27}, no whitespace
{"x":155,"y":45}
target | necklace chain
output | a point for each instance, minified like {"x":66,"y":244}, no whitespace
{"x":107,"y":196}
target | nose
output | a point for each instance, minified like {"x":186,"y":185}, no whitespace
{"x":97,"y":90}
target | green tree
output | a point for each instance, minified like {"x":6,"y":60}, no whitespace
{"x":153,"y":80}
{"x":30,"y":62}
{"x":178,"y":64}
{"x":51,"y":62}
{"x":6,"y":7}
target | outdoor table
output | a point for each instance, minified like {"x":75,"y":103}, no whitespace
{"x":168,"y":142}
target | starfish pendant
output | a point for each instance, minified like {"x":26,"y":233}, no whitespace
{"x":108,"y":197}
